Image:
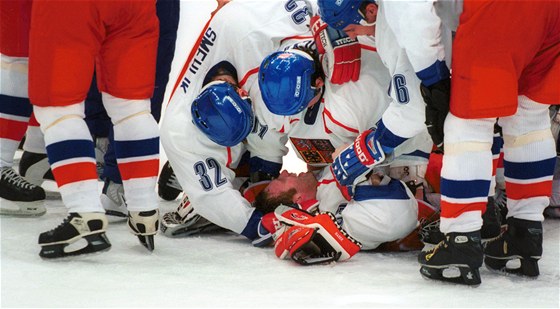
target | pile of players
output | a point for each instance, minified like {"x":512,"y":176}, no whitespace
{"x":394,"y":144}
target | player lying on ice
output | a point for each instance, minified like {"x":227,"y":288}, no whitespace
{"x":217,"y":122}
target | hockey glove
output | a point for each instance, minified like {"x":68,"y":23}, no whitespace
{"x":340,"y":54}
{"x":354,"y":163}
{"x":436,"y":97}
{"x":312,"y":239}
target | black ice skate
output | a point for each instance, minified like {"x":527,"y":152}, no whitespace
{"x":18,"y":196}
{"x":35,"y":167}
{"x":491,"y":221}
{"x":173,"y":225}
{"x":144,"y":224}
{"x":168,"y":186}
{"x":521,"y":241}
{"x":59,"y":241}
{"x":184,"y":222}
{"x":462,"y":251}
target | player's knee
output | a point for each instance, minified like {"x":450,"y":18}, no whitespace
{"x":529,"y":125}
{"x":121,"y":110}
{"x":52,"y":115}
{"x":468,"y":135}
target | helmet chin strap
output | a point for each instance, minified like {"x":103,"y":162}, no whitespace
{"x":363,"y":22}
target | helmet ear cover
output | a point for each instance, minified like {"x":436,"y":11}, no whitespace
{"x":286,"y":80}
{"x":221,"y":114}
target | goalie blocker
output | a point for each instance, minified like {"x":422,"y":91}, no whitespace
{"x":309,"y":239}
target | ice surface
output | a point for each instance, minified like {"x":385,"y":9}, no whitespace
{"x":224,"y":270}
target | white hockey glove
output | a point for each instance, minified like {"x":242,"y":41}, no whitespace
{"x":356,"y":161}
{"x":309,"y":239}
{"x":340,"y":54}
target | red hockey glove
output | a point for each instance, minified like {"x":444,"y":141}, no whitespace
{"x":340,"y":54}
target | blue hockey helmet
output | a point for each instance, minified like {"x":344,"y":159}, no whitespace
{"x":341,"y":13}
{"x":222,"y":115}
{"x":285,"y":81}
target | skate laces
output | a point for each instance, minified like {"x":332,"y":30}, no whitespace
{"x":115,"y":192}
{"x":64,"y":222}
{"x":17,"y":180}
{"x":173,"y":182}
{"x":500,"y":199}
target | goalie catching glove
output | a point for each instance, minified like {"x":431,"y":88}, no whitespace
{"x":340,"y":54}
{"x":309,"y":239}
{"x":356,"y":161}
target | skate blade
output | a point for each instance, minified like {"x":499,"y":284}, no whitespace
{"x":115,"y":216}
{"x":94,"y":243}
{"x":178,"y":231}
{"x":22,"y":209}
{"x":52,"y":195}
{"x":452,"y":274}
{"x":147,"y":241}
{"x":517,"y":266}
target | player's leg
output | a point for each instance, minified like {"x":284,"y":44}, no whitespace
{"x":126,"y":73}
{"x":529,"y":159}
{"x":553,"y":211}
{"x":59,"y":79}
{"x":465,"y":183}
{"x":18,"y":197}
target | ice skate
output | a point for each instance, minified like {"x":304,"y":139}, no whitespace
{"x":63,"y":240}
{"x":19,"y":197}
{"x":184,"y":222}
{"x":35,"y":167}
{"x":521,"y":241}
{"x":500,"y":200}
{"x":455,"y":259}
{"x":101,"y":146}
{"x":491,"y":221}
{"x":430,"y":234}
{"x":113,"y":201}
{"x":168,"y":186}
{"x":144,"y":224}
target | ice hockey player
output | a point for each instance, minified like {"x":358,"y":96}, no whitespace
{"x":513,"y":76}
{"x":381,"y":213}
{"x":347,"y":109}
{"x":242,"y":33}
{"x":59,"y":78}
{"x":17,"y":196}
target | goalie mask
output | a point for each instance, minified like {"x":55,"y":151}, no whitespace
{"x":285,"y":81}
{"x":222,"y":115}
{"x":341,"y":13}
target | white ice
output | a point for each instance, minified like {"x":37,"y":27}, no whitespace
{"x":224,"y":270}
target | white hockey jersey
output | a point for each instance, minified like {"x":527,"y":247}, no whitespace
{"x":241,"y":33}
{"x":377,"y":214}
{"x":404,"y":55}
{"x":343,"y":112}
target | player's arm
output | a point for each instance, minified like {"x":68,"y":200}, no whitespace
{"x":411,"y":20}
